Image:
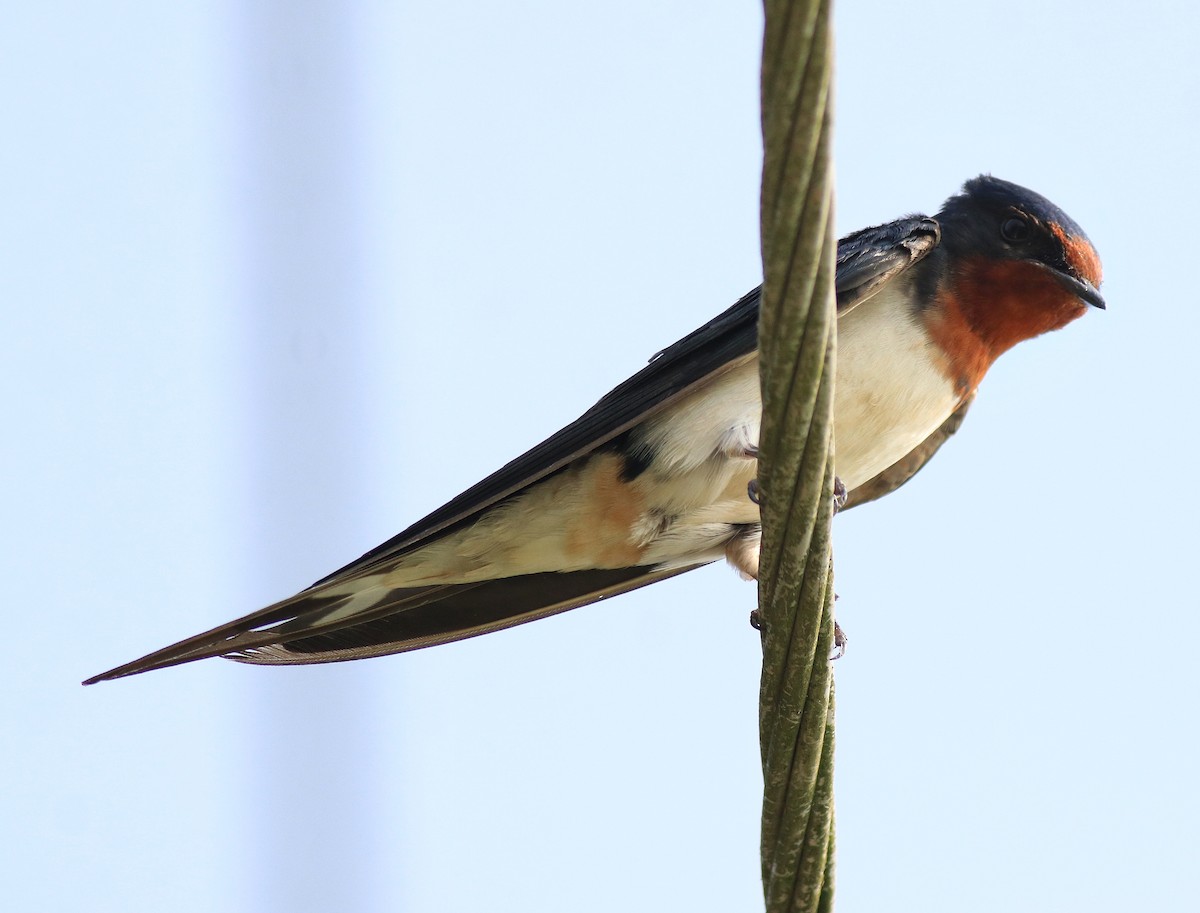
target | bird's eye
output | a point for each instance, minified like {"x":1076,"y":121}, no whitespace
{"x":1015,"y":230}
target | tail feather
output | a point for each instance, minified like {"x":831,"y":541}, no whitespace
{"x":198,"y":646}
{"x":468,"y":611}
{"x":308,"y":628}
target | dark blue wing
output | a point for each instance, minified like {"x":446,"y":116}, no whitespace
{"x":867,"y":260}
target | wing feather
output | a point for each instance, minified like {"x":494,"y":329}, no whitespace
{"x":869,"y":259}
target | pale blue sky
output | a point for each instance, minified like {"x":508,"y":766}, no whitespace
{"x":280,"y":278}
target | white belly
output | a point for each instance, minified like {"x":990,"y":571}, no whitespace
{"x":890,"y":393}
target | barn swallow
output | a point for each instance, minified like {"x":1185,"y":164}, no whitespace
{"x":652,"y":480}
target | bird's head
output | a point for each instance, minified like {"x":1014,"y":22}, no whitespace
{"x":1014,"y":266}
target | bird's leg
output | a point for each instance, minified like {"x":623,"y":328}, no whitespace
{"x":752,"y":490}
{"x":755,"y":494}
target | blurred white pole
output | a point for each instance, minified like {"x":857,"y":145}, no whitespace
{"x":307,"y":820}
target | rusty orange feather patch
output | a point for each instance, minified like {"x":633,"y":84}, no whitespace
{"x":602,"y":527}
{"x":1081,"y":256}
{"x":990,"y":307}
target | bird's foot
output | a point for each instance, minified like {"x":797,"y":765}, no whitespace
{"x":839,"y":636}
{"x":754,"y":490}
{"x":755,"y":493}
{"x":839,"y":494}
{"x":839,"y":642}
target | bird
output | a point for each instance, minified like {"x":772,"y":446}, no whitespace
{"x":658,"y":477}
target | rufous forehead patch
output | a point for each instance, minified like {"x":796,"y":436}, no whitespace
{"x":1081,"y":256}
